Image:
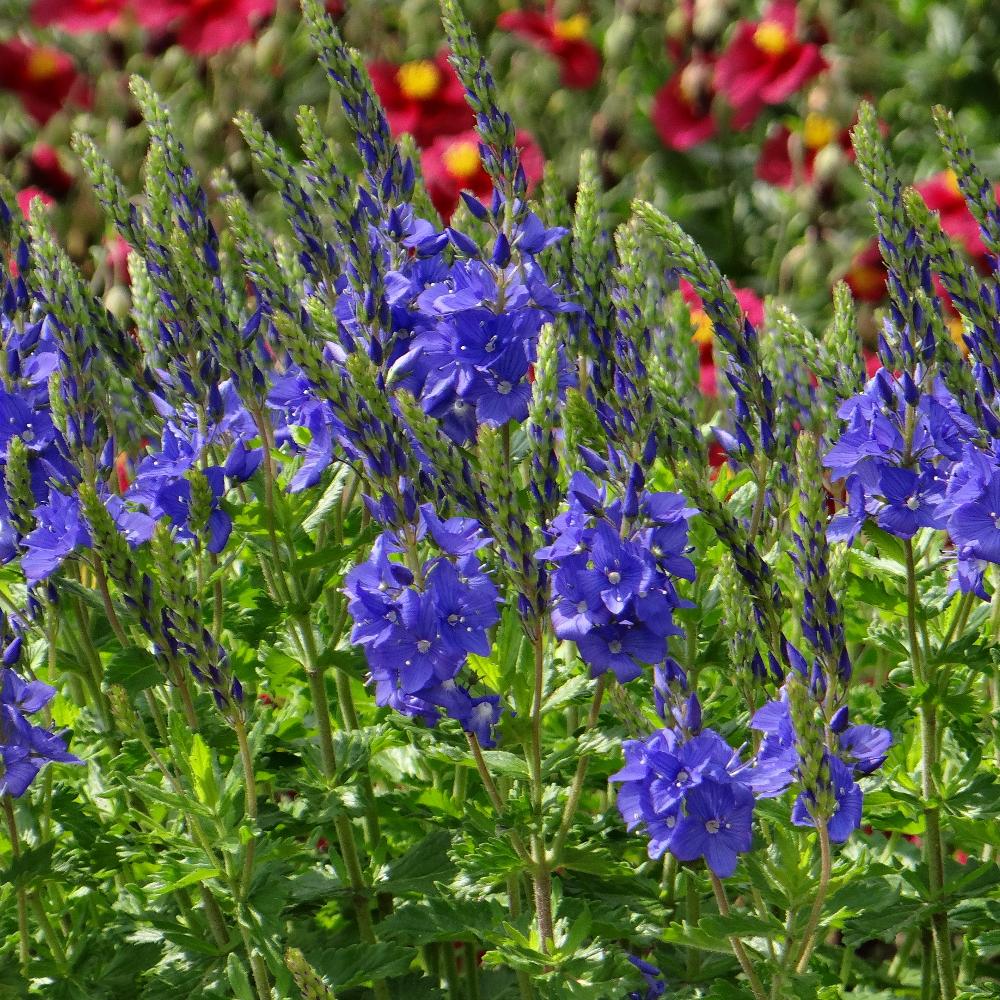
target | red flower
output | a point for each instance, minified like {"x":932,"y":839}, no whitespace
{"x":766,"y":62}
{"x":205,"y":27}
{"x":776,"y":164}
{"x":43,"y":77}
{"x":423,"y":97}
{"x":46,"y":172}
{"x":452,"y":164}
{"x":682,"y":107}
{"x":77,"y":15}
{"x":566,"y":41}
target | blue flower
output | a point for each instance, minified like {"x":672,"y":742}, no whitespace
{"x":61,"y":530}
{"x":975,"y":524}
{"x":622,"y":648}
{"x":717,"y":825}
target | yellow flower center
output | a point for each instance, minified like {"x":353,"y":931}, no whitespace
{"x":818,"y":130}
{"x":418,"y":80}
{"x":573,"y":28}
{"x":956,"y":329}
{"x":461,"y":160}
{"x":42,"y":64}
{"x":703,"y":329}
{"x":772,"y":38}
{"x":951,"y":179}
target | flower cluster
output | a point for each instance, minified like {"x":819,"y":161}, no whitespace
{"x":913,"y":460}
{"x":616,"y":558}
{"x":694,"y":796}
{"x":418,"y":626}
{"x":829,"y":788}
{"x":765,"y":63}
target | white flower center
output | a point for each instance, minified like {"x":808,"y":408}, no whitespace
{"x":712,"y":826}
{"x":615,"y":646}
{"x":423,"y":645}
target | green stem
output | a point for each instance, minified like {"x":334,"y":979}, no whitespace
{"x":366,"y":928}
{"x":933,"y":849}
{"x":756,"y":987}
{"x":23,"y":950}
{"x":811,"y":936}
{"x":495,"y":797}
{"x":576,"y":788}
{"x":250,"y":807}
{"x":692,"y":914}
{"x":471,"y":961}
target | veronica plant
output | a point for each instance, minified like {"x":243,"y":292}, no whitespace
{"x":410,"y":641}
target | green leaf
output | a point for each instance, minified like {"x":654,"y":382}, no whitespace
{"x":419,"y":869}
{"x":200,"y":759}
{"x":238,"y":978}
{"x":358,"y":964}
{"x":134,"y":669}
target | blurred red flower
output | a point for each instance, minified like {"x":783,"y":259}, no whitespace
{"x":423,"y":97}
{"x":205,"y":27}
{"x":43,"y":77}
{"x":452,"y":164}
{"x":767,"y":61}
{"x":564,"y":40}
{"x":46,"y":172}
{"x":777,"y":164}
{"x":682,"y":107}
{"x":77,"y":15}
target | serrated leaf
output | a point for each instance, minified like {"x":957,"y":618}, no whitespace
{"x":134,"y":669}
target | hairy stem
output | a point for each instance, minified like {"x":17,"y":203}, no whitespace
{"x":756,"y":987}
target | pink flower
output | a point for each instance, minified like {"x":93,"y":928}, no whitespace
{"x":564,"y":40}
{"x":43,"y":77}
{"x":205,"y":27}
{"x":77,"y":15}
{"x":452,"y":164}
{"x":423,"y":97}
{"x":767,"y":61}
